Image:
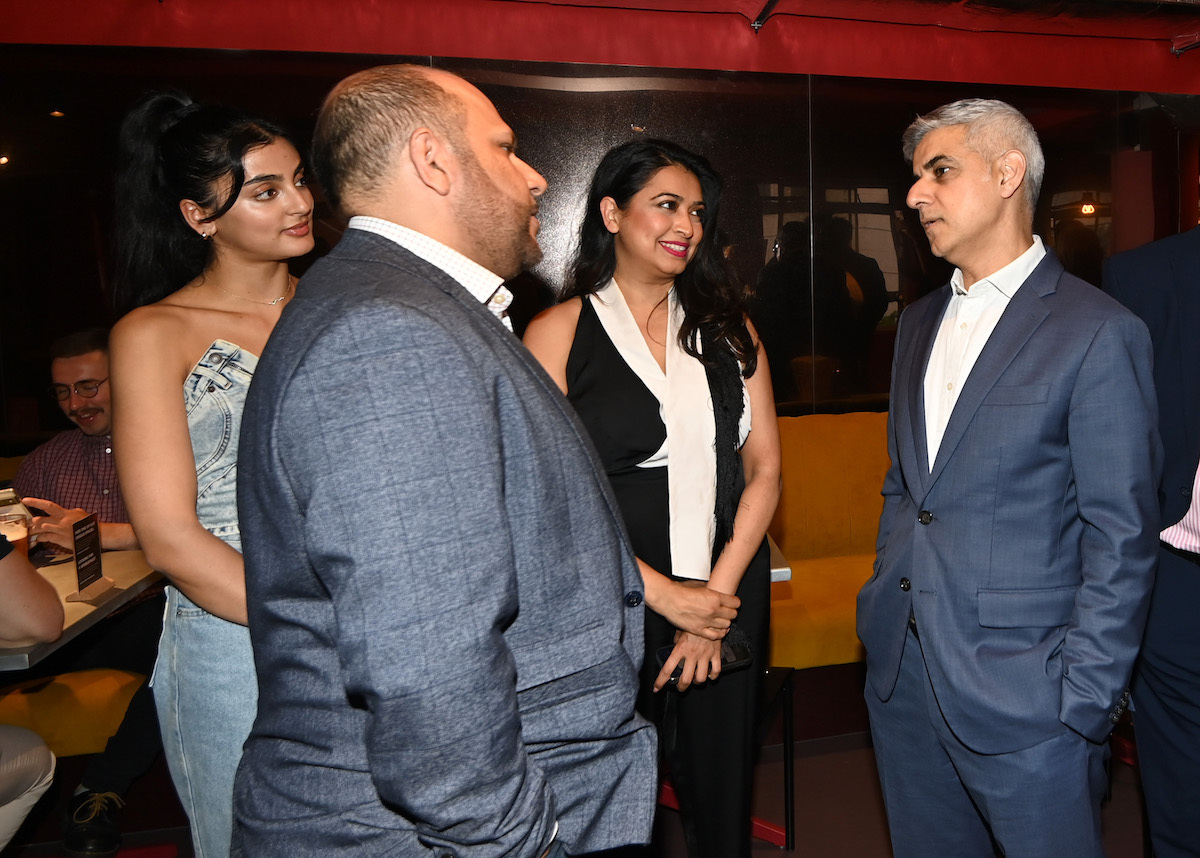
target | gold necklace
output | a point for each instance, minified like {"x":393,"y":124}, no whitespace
{"x":271,"y":303}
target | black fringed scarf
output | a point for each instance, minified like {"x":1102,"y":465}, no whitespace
{"x":725,"y":385}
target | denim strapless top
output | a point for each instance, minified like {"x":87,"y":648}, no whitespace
{"x":215,"y":394}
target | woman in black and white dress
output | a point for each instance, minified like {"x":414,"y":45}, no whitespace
{"x":652,"y":346}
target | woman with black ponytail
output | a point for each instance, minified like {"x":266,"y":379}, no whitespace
{"x":211,"y":205}
{"x":652,"y":346}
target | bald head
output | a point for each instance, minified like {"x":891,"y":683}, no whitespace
{"x":369,"y":116}
{"x":424,"y":149}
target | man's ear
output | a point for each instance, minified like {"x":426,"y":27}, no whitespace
{"x":194,"y":216}
{"x":610,"y":213}
{"x":431,"y":159}
{"x":1012,"y":172}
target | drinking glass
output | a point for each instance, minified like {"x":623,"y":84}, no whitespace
{"x":15,"y":527}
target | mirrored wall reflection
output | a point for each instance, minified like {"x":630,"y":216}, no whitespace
{"x":870,"y":256}
{"x":814,"y":215}
{"x":752,"y":128}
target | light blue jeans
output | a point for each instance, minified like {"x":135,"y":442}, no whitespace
{"x":206,"y":693}
{"x":204,"y":683}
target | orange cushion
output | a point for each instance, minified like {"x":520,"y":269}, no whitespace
{"x":833,"y":467}
{"x":825,"y":525}
{"x":75,"y":713}
{"x":812,"y":615}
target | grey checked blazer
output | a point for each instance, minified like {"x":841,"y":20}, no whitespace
{"x":445,"y":611}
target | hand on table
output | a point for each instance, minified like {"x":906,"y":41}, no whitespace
{"x":56,"y":525}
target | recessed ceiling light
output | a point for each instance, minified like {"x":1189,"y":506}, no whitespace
{"x":57,"y":114}
{"x":3,"y":160}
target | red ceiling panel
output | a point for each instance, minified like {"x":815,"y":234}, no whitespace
{"x":907,"y":39}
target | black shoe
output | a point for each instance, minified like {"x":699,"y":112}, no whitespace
{"x":91,"y":827}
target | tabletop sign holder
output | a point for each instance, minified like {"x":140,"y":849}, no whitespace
{"x":89,"y":571}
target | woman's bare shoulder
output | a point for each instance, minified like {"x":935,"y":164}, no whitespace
{"x":175,"y":331}
{"x":158,"y":322}
{"x":555,"y":323}
{"x":550,"y":335}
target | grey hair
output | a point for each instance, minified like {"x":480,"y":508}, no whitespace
{"x":993,"y":127}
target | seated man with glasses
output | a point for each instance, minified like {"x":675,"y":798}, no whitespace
{"x":72,"y":474}
{"x":67,"y":478}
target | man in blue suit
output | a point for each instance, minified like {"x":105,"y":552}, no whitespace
{"x":445,"y":611}
{"x":1017,"y":542}
{"x":1161,"y":283}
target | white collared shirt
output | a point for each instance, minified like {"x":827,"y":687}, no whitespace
{"x":970,"y":318}
{"x":485,"y":286}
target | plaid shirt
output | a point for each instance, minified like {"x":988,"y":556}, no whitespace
{"x":74,"y":470}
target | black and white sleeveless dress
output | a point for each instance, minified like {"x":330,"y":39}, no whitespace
{"x":706,"y":733}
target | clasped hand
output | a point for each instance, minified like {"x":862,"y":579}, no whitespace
{"x":700,"y":658}
{"x":703,"y":617}
{"x":692,"y":607}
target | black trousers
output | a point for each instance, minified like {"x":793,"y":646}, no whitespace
{"x":707,"y":733}
{"x":126,"y":641}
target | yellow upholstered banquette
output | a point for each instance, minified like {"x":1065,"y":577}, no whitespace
{"x":826,"y":524}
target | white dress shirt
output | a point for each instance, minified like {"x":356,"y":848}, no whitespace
{"x":485,"y":286}
{"x":970,"y":318}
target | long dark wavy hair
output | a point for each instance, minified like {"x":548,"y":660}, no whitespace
{"x":173,"y":149}
{"x":708,"y":290}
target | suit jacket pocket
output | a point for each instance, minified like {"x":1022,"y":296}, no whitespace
{"x":552,"y":657}
{"x":1017,"y":609}
{"x":1024,"y":394}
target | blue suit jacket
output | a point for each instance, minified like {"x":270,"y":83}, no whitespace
{"x":1161,"y":283}
{"x":445,"y":612}
{"x":1027,"y":553}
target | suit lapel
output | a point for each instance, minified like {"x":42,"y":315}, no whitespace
{"x":922,"y":348}
{"x":1024,"y":314}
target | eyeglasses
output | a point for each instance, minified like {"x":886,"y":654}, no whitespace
{"x":87,"y":388}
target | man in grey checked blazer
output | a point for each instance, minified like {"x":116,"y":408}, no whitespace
{"x":445,"y":611}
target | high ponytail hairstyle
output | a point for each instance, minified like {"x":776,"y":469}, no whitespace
{"x":173,"y":149}
{"x":708,"y":289}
